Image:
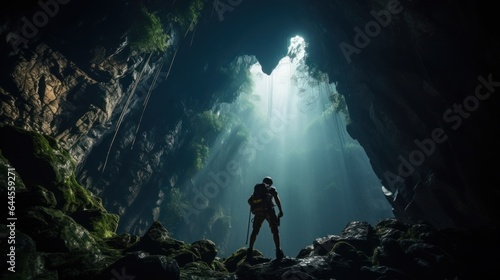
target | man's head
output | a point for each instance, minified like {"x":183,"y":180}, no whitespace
{"x":267,"y":180}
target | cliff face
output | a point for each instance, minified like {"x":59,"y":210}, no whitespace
{"x":419,"y":79}
{"x":72,"y":86}
{"x":76,"y":78}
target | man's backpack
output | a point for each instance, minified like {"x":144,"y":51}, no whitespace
{"x":261,"y":199}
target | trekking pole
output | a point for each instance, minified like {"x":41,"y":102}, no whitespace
{"x":248,"y":228}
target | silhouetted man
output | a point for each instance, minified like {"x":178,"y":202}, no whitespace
{"x":262,"y":206}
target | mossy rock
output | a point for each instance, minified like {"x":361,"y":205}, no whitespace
{"x":391,"y":223}
{"x":206,"y":249}
{"x":156,"y":241}
{"x":122,"y":241}
{"x":140,"y":265}
{"x":348,"y":251}
{"x":202,"y":270}
{"x":389,"y":253}
{"x":421,"y":232}
{"x":54,"y":231}
{"x":4,"y":174}
{"x":238,"y":258}
{"x":184,"y":256}
{"x":40,"y":161}
{"x":345,"y":249}
{"x":39,"y":196}
{"x":76,"y":264}
{"x":101,"y":224}
{"x":25,"y":262}
{"x":36,"y":158}
{"x":219,"y":266}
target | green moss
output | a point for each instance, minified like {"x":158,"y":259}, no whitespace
{"x":100,"y":223}
{"x":418,"y":232}
{"x":106,"y":226}
{"x":238,"y":258}
{"x":237,"y":78}
{"x":121,"y":241}
{"x":72,"y":223}
{"x":174,"y":206}
{"x":218,"y":265}
{"x":40,"y":161}
{"x":208,"y":123}
{"x":206,"y":126}
{"x":340,"y":105}
{"x":185,"y":14}
{"x":202,"y":153}
{"x":75,"y":196}
{"x":147,"y":34}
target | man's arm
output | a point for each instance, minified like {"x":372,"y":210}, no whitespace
{"x":278,"y":203}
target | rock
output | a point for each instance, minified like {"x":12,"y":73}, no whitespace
{"x":238,"y":258}
{"x":206,"y":249}
{"x":39,"y":196}
{"x":140,"y":266}
{"x":101,"y":223}
{"x":359,"y":234}
{"x":202,"y":270}
{"x":21,"y":263}
{"x":157,"y":242}
{"x":122,"y":241}
{"x":54,"y":231}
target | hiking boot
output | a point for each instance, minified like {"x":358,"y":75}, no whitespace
{"x":249,"y":254}
{"x":279,"y":254}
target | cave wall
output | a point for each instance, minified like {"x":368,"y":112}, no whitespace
{"x":74,"y":77}
{"x":419,"y":78}
{"x":68,"y":76}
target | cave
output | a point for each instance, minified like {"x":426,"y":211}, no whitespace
{"x":133,"y":133}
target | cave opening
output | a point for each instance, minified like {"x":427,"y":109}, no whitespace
{"x":290,"y":125}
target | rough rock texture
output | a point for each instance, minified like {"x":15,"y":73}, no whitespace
{"x":77,"y":79}
{"x":71,"y":88}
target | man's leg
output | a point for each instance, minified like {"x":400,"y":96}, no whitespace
{"x":273,"y":223}
{"x":257,"y":223}
{"x":276,"y":238}
{"x":253,"y":236}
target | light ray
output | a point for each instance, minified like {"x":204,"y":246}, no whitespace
{"x":296,"y":137}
